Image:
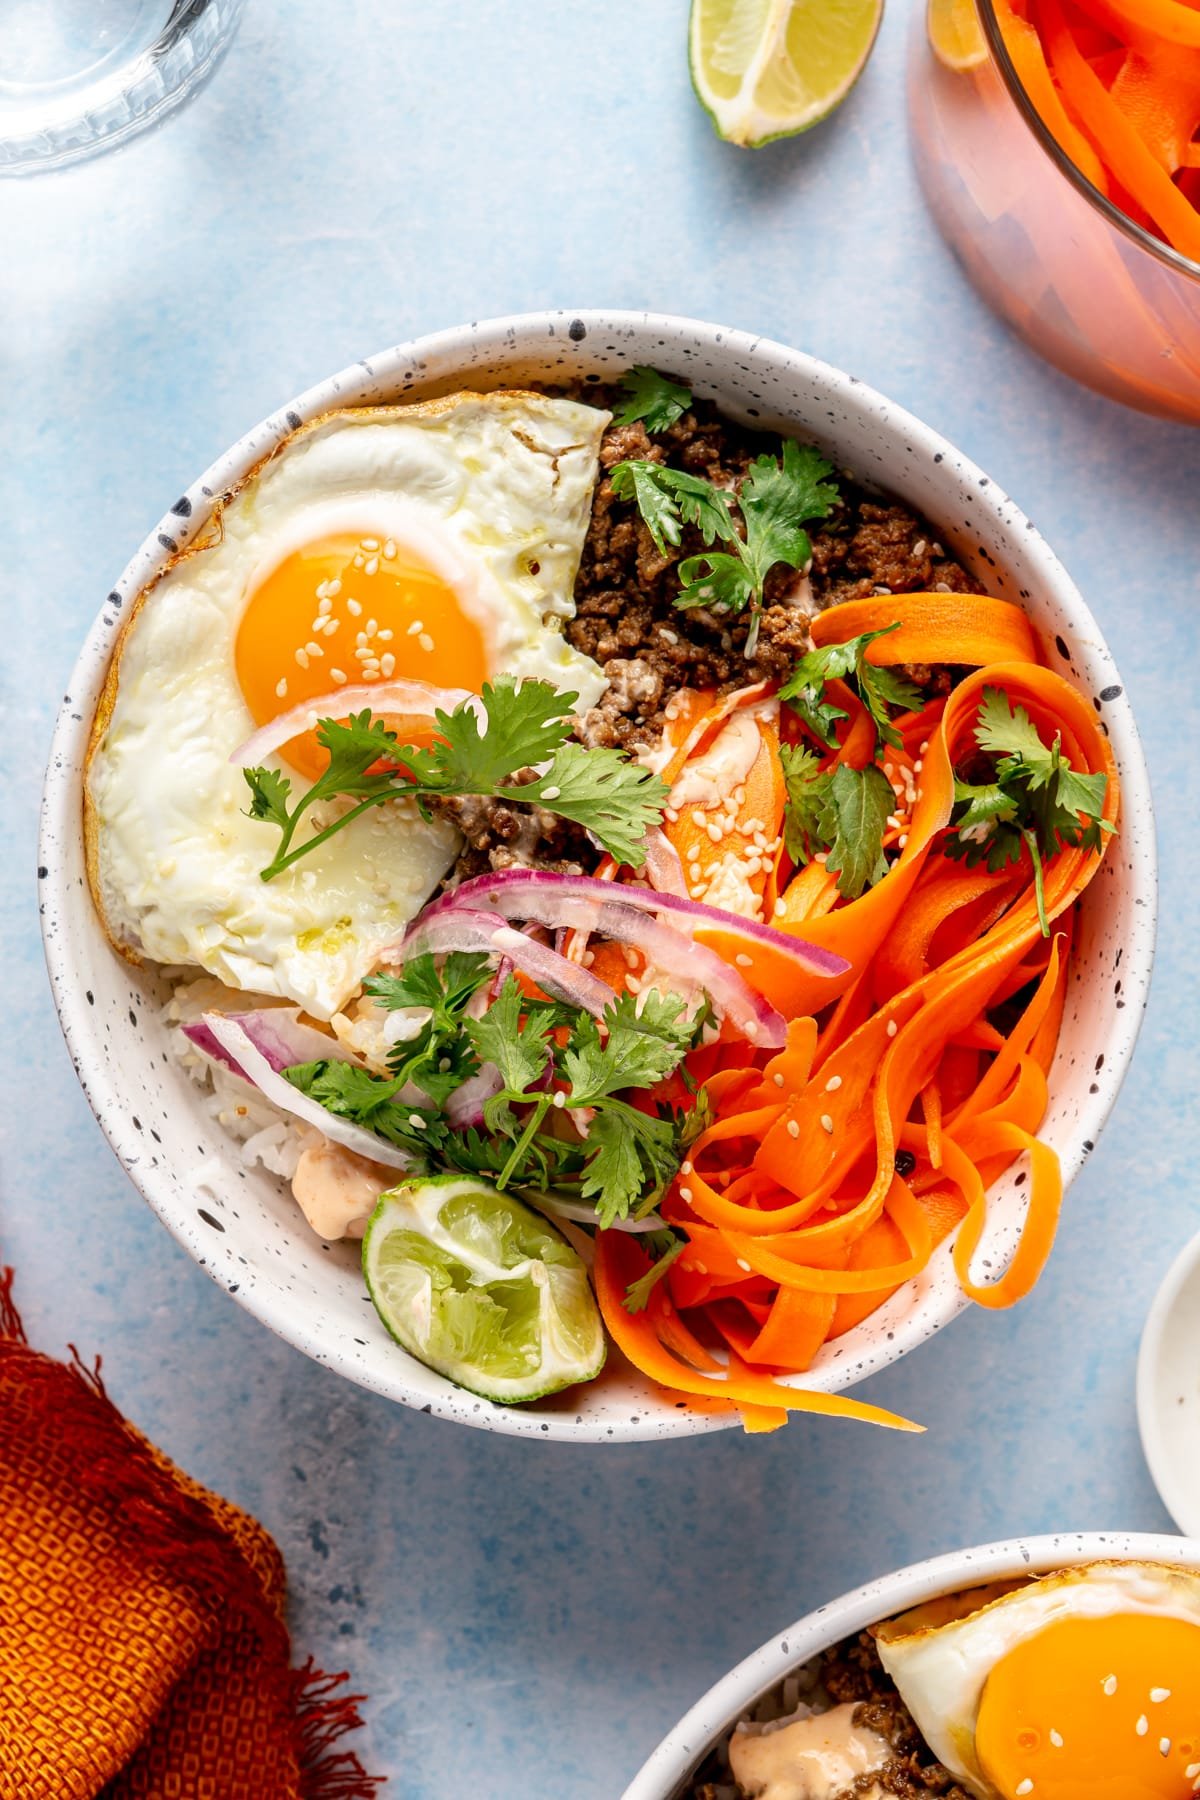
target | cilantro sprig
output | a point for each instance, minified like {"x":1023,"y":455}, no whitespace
{"x":777,"y":498}
{"x":557,"y":1065}
{"x":1036,"y":802}
{"x":841,"y":812}
{"x":653,"y":398}
{"x":524,"y":725}
{"x":877,"y":688}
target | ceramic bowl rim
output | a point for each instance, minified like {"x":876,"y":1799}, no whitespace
{"x":528,"y":334}
{"x":1172,"y":1489}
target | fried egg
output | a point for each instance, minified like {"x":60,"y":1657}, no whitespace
{"x":1083,"y":1685}
{"x":437,"y":542}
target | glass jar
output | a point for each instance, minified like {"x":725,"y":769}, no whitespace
{"x":1086,"y":286}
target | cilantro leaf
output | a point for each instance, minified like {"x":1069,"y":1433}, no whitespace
{"x":369,"y":1100}
{"x":669,"y":499}
{"x":640,"y":1048}
{"x":632,"y":1158}
{"x":524,"y":723}
{"x":664,"y":1247}
{"x":840,"y":811}
{"x":651,"y":397}
{"x":878,"y":688}
{"x":777,"y":499}
{"x":616,"y":799}
{"x":1036,"y":803}
{"x":520,"y":1052}
{"x":714,"y":578}
{"x":421,"y":983}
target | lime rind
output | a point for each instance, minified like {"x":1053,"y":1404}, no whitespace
{"x":481,"y":1288}
{"x":766,"y":69}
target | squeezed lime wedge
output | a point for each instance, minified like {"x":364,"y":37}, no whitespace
{"x":765,"y":69}
{"x":481,"y":1288}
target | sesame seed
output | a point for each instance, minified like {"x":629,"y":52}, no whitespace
{"x":750,"y":1028}
{"x":685,"y":1168}
{"x":1158,"y":1695}
{"x":893,"y":1028}
{"x":924,"y":747}
{"x":372,"y":627}
{"x":385,"y":637}
{"x":777,"y":1078}
{"x":1164,"y":1746}
{"x":743,"y":1264}
{"x":743,"y":961}
{"x":338,"y":677}
{"x":1142,"y":1726}
{"x":370,"y":672}
{"x":918,"y":766}
{"x":685,"y":1193}
{"x":560,"y":1099}
{"x":833,"y":1084}
{"x":779,"y":906}
{"x":426,"y":642}
{"x":1024,"y":1787}
{"x":668,"y":636}
{"x":671,"y":813}
{"x":334,"y":586}
{"x":416,"y":1121}
{"x":389,"y":550}
{"x":302,"y":658}
{"x":359,"y":560}
{"x":314,"y":649}
{"x":372,"y":567}
{"x":715,"y":834}
{"x":793,"y":1130}
{"x":1109,"y":1684}
{"x":1056,"y":1738}
{"x":281,"y":689}
{"x":1192,"y":1770}
{"x":826,"y":1122}
{"x":920,"y":547}
{"x":633,"y":984}
{"x":417,"y":626}
{"x":370,"y":544}
{"x":325,"y":604}
{"x":551,"y":793}
{"x":700,"y":1268}
{"x":354,"y":608}
{"x":698,"y":819}
{"x":902,"y":839}
{"x":387,"y":663}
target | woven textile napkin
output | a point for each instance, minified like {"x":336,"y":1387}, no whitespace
{"x":143,"y":1649}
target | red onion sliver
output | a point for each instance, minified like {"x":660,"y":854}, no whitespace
{"x":275,"y":1032}
{"x":249,"y":1062}
{"x":459,"y":928}
{"x":664,"y":870}
{"x":524,"y":894}
{"x":416,"y":698}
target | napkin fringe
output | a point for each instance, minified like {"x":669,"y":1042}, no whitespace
{"x":119,"y":1471}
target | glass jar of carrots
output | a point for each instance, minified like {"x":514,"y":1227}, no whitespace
{"x":1057,"y":144}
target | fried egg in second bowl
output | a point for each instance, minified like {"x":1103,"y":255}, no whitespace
{"x":436,"y":542}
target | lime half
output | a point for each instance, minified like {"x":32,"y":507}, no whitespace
{"x":767,"y":68}
{"x":955,"y":33}
{"x":482,"y":1289}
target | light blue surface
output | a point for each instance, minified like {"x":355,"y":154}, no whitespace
{"x":527,"y":1620}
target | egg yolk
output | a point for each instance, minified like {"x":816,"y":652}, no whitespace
{"x":1095,"y":1709}
{"x":346,"y":610}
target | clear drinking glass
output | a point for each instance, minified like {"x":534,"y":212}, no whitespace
{"x":77,"y":76}
{"x":1087,"y":287}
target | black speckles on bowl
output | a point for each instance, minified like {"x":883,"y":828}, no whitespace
{"x":313,"y":1295}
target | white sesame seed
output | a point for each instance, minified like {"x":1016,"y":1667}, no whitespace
{"x":698,"y":819}
{"x":685,"y":1193}
{"x":385,"y":637}
{"x":426,"y":642}
{"x":743,"y":961}
{"x":924,"y":747}
{"x":743,"y":1264}
{"x":372,"y":567}
{"x":826,"y":1122}
{"x":1191,"y":1772}
{"x":416,"y":1121}
{"x":281,"y":689}
{"x":1056,"y":1738}
{"x":302,"y":658}
{"x":324,"y":604}
{"x":354,"y":608}
{"x":715,"y":834}
{"x":370,"y":544}
{"x":389,"y":550}
{"x":1109,"y":1684}
{"x":1024,"y":1787}
{"x":417,"y":626}
{"x":1158,"y":1695}
{"x":1164,"y":1746}
{"x":920,"y":547}
{"x":793,"y":1130}
{"x":387,"y":663}
{"x":314,"y":649}
{"x":671,"y":813}
{"x":372,"y":627}
{"x":338,"y":677}
{"x":1142,"y":1726}
{"x":902,"y":839}
{"x":633,"y":984}
{"x":551,"y":793}
{"x":560,"y":1099}
{"x":777,"y":1078}
{"x":334,"y":586}
{"x":833,"y":1084}
{"x":893,"y":1028}
{"x":685,"y":1168}
{"x":359,"y":560}
{"x":918,"y":766}
{"x":779,"y":906}
{"x":370,"y":672}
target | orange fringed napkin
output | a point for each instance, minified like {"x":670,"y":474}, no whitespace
{"x":143,"y":1650}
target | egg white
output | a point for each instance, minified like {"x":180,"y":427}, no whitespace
{"x":941,"y":1669}
{"x":494,"y":491}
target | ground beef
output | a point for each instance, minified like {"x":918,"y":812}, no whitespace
{"x":625,"y":617}
{"x":852,"y":1672}
{"x":499,"y":836}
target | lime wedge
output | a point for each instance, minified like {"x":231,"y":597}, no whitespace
{"x":482,"y":1289}
{"x":955,"y":33}
{"x":764,"y":69}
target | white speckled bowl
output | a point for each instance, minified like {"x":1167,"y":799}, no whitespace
{"x":664,"y":1775}
{"x":249,"y":1237}
{"x":1168,"y":1389}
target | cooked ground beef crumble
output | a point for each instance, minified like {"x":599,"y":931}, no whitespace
{"x":626,"y":619}
{"x":852,"y":1671}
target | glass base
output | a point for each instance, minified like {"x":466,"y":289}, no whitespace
{"x":78,"y":76}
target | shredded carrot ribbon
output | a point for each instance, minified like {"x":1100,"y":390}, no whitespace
{"x":834,"y":1168}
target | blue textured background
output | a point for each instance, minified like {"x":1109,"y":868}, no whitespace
{"x":528,"y":1619}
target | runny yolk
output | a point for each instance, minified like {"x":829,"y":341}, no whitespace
{"x":1095,"y":1709}
{"x":345,"y":610}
